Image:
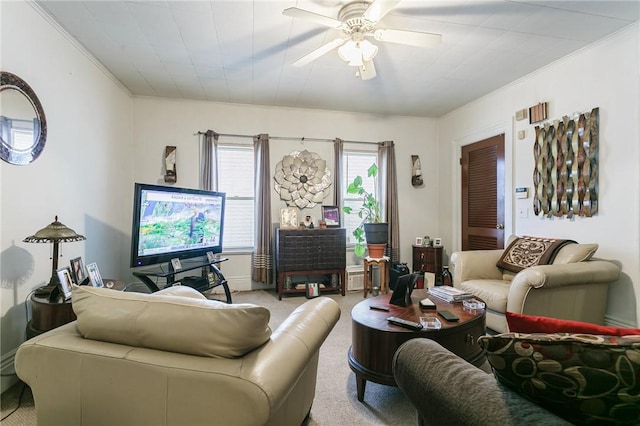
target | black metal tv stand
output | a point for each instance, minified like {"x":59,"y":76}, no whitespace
{"x":146,"y":276}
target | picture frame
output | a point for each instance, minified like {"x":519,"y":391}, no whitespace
{"x":175,"y":263}
{"x":312,"y":290}
{"x":64,"y":275}
{"x":78,"y":272}
{"x":289,"y":218}
{"x":418,"y":241}
{"x":94,"y":275}
{"x":437,"y":242}
{"x":331,"y":216}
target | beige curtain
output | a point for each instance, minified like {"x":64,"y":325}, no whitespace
{"x":388,"y":181}
{"x":262,"y":257}
{"x":338,"y":165}
{"x":208,"y":161}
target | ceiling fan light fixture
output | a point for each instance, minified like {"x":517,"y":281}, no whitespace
{"x":355,"y":53}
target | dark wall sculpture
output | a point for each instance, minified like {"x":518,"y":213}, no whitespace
{"x":565,"y":174}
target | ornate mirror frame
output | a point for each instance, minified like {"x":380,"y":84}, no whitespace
{"x":22,"y":137}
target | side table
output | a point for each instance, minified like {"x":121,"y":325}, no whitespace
{"x":383,"y":264}
{"x":46,"y":315}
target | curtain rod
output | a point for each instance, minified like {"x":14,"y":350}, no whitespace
{"x":288,"y":138}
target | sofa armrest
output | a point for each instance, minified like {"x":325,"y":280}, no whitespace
{"x":293,"y":344}
{"x":475,"y":264}
{"x":447,"y":390}
{"x":555,"y":276}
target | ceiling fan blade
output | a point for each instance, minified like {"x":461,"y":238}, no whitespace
{"x":378,"y":9}
{"x":325,"y":48}
{"x":411,"y":38}
{"x":294,"y":12}
{"x":367,"y":70}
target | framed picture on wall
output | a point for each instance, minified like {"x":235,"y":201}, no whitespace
{"x":331,"y":216}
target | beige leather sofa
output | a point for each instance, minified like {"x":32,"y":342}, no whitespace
{"x":175,"y":358}
{"x":572,"y":287}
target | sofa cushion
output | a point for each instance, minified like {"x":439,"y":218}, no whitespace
{"x":177,"y":320}
{"x":519,"y":323}
{"x":574,"y":253}
{"x":524,"y":252}
{"x":584,"y":378}
{"x":493,"y":292}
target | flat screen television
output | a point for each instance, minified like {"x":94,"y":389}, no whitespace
{"x":170,"y":222}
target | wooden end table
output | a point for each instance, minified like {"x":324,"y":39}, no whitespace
{"x":375,"y":341}
{"x":47,"y":315}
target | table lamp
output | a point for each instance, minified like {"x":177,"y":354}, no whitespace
{"x":55,"y":233}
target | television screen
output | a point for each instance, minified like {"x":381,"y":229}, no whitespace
{"x":171,"y":222}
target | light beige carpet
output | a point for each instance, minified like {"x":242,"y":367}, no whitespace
{"x":335,"y":402}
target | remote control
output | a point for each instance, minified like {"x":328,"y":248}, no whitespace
{"x":379,"y":308}
{"x":427,"y":304}
{"x":448,"y":316}
{"x":405,"y":323}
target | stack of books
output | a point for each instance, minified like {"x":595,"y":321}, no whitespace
{"x":450,"y":294}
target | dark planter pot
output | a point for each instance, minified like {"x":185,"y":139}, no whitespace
{"x":376,"y":233}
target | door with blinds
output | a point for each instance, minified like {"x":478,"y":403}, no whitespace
{"x":483,"y":194}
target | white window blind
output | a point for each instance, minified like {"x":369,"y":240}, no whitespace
{"x":356,"y":163}
{"x":235,"y":178}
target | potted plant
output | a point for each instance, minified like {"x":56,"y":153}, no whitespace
{"x":371,"y":230}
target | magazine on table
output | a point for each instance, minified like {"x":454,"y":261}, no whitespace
{"x":450,"y":294}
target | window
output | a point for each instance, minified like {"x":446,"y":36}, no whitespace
{"x":235,"y":178}
{"x":356,"y":163}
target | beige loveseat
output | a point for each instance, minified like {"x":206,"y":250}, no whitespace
{"x":175,"y":358}
{"x":572,"y":287}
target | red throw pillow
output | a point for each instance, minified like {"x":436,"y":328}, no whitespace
{"x":519,"y":323}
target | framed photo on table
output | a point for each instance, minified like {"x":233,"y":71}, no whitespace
{"x":78,"y":273}
{"x":331,"y":216}
{"x":289,"y":218}
{"x":64,"y":275}
{"x":94,"y":275}
{"x":312,"y":290}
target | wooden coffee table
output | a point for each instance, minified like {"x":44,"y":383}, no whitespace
{"x":375,"y":341}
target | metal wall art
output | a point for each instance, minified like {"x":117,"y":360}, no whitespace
{"x":302,"y":179}
{"x":565,"y":176}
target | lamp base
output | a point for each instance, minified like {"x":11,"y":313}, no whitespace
{"x":51,"y":290}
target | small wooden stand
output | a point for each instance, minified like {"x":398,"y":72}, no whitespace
{"x":383,"y":264}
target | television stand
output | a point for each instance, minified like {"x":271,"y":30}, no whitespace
{"x":146,"y":275}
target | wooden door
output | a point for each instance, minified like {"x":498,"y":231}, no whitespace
{"x":483,"y":194}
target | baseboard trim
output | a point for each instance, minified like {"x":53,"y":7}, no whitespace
{"x":242,"y":283}
{"x":7,"y":369}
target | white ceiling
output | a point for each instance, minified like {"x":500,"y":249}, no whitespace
{"x":241,"y":51}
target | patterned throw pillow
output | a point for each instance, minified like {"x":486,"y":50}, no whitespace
{"x":524,"y":252}
{"x":583,"y":378}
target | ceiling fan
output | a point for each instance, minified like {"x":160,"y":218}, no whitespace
{"x":358,"y":20}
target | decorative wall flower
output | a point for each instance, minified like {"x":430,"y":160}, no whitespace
{"x":302,"y":179}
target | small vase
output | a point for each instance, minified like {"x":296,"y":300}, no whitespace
{"x":446,"y":277}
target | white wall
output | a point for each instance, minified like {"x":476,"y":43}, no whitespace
{"x":160,"y":122}
{"x":82,"y":176}
{"x":604,"y":75}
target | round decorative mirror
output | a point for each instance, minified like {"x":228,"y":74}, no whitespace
{"x":23,"y":126}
